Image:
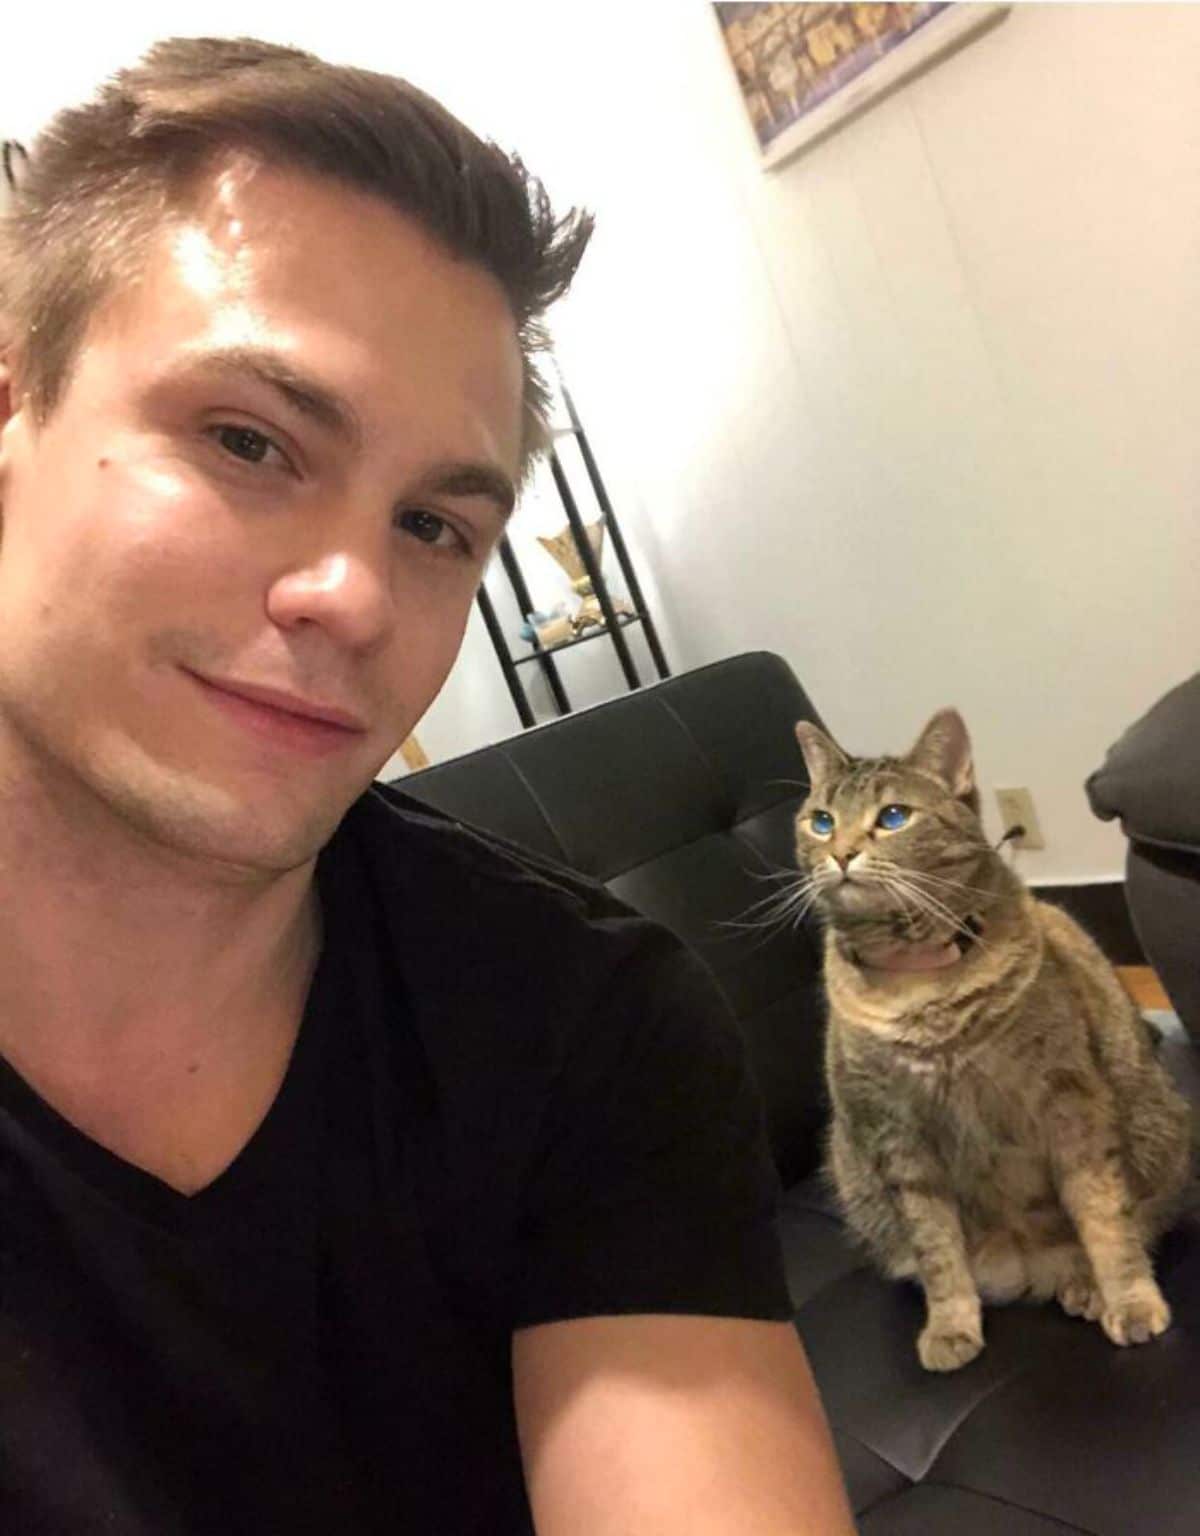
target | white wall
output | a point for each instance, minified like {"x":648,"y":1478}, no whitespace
{"x":914,"y":410}
{"x":923,"y":399}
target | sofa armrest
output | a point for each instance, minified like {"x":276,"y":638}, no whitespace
{"x":1150,"y":778}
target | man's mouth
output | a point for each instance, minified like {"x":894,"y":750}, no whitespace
{"x":310,"y":727}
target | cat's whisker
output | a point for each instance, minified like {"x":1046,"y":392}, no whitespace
{"x":781,"y":906}
{"x":802,"y":890}
{"x":772,"y":874}
{"x":930,"y":904}
{"x":891,"y":887}
{"x":934,"y":904}
{"x":905,"y":899}
{"x":766,"y":930}
{"x":790,"y":913}
{"x":920,"y":909}
{"x":943,"y":914}
{"x":783,"y":898}
{"x":953,"y":885}
{"x":925,"y":899}
{"x":924,"y":875}
{"x":911,"y":878}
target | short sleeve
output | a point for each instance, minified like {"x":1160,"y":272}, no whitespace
{"x":652,"y":1190}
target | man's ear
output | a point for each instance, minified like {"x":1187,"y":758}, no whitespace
{"x":13,"y":394}
{"x":7,"y":389}
{"x":7,"y":407}
{"x":944,"y":749}
{"x":10,"y":404}
{"x":10,"y":381}
{"x":823,"y":758}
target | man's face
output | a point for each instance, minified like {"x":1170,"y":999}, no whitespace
{"x":277,"y":470}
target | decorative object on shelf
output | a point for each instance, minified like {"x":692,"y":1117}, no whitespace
{"x":561,"y":548}
{"x":548,"y":629}
{"x":591,"y":613}
{"x":804,"y":70}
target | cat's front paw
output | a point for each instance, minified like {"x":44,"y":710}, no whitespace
{"x":1079,"y":1297}
{"x":951,"y":1339}
{"x":1138,"y":1317}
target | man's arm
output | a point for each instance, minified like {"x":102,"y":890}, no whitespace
{"x":674,"y":1426}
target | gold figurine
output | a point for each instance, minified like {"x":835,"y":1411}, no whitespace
{"x":562,"y":548}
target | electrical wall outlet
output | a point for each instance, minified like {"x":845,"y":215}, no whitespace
{"x":1016,"y":810}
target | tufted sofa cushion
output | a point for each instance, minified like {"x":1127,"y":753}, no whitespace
{"x":680,"y":798}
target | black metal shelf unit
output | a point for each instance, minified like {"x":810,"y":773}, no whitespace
{"x":545,"y":656}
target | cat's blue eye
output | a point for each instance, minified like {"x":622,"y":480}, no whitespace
{"x":821,"y":823}
{"x":892,"y":817}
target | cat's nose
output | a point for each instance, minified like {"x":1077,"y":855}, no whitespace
{"x":843,"y":859}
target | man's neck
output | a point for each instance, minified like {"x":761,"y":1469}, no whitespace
{"x":137,"y":982}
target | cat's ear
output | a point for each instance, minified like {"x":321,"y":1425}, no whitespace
{"x":944,"y":749}
{"x":823,"y":758}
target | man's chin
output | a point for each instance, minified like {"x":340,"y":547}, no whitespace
{"x":225,"y":827}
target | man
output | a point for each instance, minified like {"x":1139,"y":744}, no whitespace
{"x":355,"y":1173}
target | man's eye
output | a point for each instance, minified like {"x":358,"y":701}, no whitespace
{"x":245,"y":443}
{"x":432,"y":529}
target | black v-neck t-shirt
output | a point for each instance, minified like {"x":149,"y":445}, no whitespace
{"x":510,"y":1101}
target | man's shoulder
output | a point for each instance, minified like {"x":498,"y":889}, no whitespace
{"x":503,"y":960}
{"x":401,"y":837}
{"x":458,"y":899}
{"x":572,"y":1080}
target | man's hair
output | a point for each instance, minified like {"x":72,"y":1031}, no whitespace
{"x":104,"y":178}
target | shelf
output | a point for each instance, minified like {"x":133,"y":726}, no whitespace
{"x":589,"y":559}
{"x":624,"y":620}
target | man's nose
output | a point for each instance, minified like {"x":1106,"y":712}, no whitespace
{"x":346,"y":592}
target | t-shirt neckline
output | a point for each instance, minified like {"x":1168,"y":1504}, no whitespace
{"x":145,"y":1195}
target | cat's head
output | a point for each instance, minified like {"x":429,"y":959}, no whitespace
{"x":890,"y":837}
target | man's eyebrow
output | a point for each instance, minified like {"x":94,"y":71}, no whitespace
{"x":303,"y":392}
{"x":470,"y":479}
{"x":315,"y":400}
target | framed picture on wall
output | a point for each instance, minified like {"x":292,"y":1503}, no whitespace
{"x":804,"y":70}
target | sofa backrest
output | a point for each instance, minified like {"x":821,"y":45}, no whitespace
{"x":680,"y":799}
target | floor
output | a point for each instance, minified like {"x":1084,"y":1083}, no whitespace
{"x":1143,"y":986}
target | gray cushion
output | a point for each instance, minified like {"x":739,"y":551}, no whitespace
{"x":1151,"y":776}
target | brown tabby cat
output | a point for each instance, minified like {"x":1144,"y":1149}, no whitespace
{"x":1001,"y":1124}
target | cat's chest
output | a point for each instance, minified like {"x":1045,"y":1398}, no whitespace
{"x":976,"y":1110}
{"x":936,"y":1085}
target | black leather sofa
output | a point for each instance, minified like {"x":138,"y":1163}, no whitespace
{"x":680,"y":799}
{"x":1150,"y":780}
